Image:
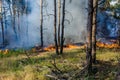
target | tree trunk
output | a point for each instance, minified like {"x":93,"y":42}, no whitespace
{"x":14,"y":18}
{"x":95,"y":4}
{"x":26,"y":12}
{"x":10,"y":10}
{"x":3,"y":36}
{"x":41,"y":21}
{"x":62,"y":33}
{"x":89,"y":36}
{"x":19,"y":24}
{"x":2,"y":26}
{"x":4,"y":23}
{"x":55,"y":29}
{"x":59,"y":17}
{"x":119,"y":36}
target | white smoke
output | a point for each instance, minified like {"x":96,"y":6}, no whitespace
{"x":75,"y":32}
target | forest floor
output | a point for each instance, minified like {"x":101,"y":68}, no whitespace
{"x":18,"y":65}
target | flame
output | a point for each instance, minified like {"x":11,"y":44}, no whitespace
{"x":6,"y":51}
{"x":68,"y":46}
{"x":71,"y":46}
{"x":106,"y":45}
{"x":49,"y":48}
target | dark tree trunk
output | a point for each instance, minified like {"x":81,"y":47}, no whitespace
{"x":3,"y":36}
{"x":19,"y":24}
{"x":14,"y":18}
{"x":95,"y":4}
{"x":41,"y":25}
{"x":5,"y":23}
{"x":2,"y":26}
{"x":62,"y":32}
{"x":89,"y":36}
{"x":26,"y":12}
{"x":119,"y":36}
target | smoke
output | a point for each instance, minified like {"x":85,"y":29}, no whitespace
{"x":75,"y":25}
{"x":108,"y":26}
{"x":29,"y":34}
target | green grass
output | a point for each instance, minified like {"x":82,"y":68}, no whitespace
{"x":17,"y":67}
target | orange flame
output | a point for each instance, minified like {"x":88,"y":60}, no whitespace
{"x":68,"y":46}
{"x":106,"y":45}
{"x":6,"y":51}
{"x":49,"y":48}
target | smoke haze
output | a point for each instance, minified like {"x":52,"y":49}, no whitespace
{"x":74,"y":28}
